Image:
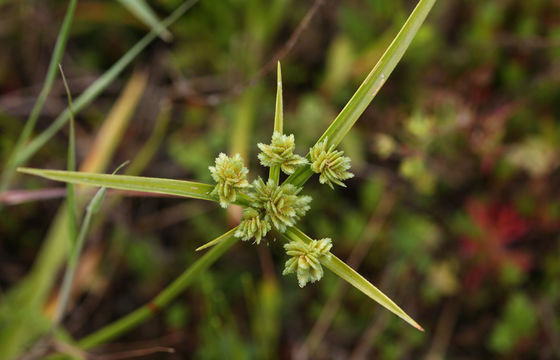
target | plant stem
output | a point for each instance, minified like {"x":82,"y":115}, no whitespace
{"x":71,"y":166}
{"x":145,"y":312}
{"x":70,"y":273}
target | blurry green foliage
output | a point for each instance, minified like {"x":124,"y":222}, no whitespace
{"x":518,"y":321}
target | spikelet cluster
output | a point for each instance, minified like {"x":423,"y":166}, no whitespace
{"x":280,"y":152}
{"x":253,"y":225}
{"x":305,"y":259}
{"x":280,"y":203}
{"x":230,"y":175}
{"x":330,"y":164}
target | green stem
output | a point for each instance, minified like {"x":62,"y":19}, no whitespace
{"x":145,"y":312}
{"x":70,"y":273}
{"x":56,"y":58}
{"x":71,"y":166}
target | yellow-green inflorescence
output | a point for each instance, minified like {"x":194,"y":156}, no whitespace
{"x":280,"y":152}
{"x":280,"y":203}
{"x":330,"y":164}
{"x":279,"y":206}
{"x":305,"y":259}
{"x":253,"y":225}
{"x":230,"y":175}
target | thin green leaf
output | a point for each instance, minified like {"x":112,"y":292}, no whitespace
{"x":71,"y":166}
{"x":38,"y":106}
{"x":217,"y":240}
{"x":174,"y":187}
{"x":274,"y":172}
{"x":145,"y":13}
{"x":132,"y":183}
{"x":142,"y":314}
{"x":92,"y":208}
{"x":279,"y":114}
{"x":353,"y":278}
{"x":95,"y":89}
{"x":371,"y":85}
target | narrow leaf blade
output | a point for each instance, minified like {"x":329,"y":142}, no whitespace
{"x":178,"y":286}
{"x":340,"y":268}
{"x":124,"y":182}
{"x":350,"y":275}
{"x":371,"y":85}
{"x":279,"y":114}
{"x":217,"y":240}
{"x":274,"y":172}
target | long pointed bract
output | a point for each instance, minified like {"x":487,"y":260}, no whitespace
{"x":124,"y":182}
{"x":350,"y":275}
{"x":274,"y":172}
{"x":370,"y":87}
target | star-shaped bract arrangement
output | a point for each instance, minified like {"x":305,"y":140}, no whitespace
{"x":266,"y":207}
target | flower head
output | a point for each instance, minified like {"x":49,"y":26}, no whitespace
{"x":280,"y":152}
{"x":230,"y":175}
{"x":281,"y":203}
{"x":330,"y":163}
{"x":253,"y":225}
{"x":305,"y":259}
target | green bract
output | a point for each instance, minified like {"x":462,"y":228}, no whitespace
{"x":330,"y":163}
{"x":230,"y":175}
{"x":253,"y":225}
{"x":281,"y":203}
{"x":280,"y":152}
{"x":305,"y":259}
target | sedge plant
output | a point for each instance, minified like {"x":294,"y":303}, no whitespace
{"x":269,"y":206}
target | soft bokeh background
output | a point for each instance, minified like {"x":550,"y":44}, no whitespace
{"x":454,"y":211}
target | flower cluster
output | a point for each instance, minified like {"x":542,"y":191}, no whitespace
{"x":280,"y":152}
{"x":279,"y":206}
{"x":230,"y":175}
{"x":305,"y":259}
{"x":330,"y":163}
{"x":281,"y":203}
{"x":253,"y":225}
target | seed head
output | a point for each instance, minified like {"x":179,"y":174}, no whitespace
{"x":281,"y":204}
{"x":331,"y":164}
{"x":253,"y":225}
{"x":305,"y":259}
{"x":230,"y":175}
{"x":281,"y":152}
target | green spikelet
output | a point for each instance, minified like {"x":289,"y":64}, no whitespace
{"x":331,"y":164}
{"x":281,"y":204}
{"x":230,"y":175}
{"x":253,"y":225}
{"x":305,"y":259}
{"x":281,"y":152}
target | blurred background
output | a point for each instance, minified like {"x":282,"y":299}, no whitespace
{"x":454,"y":211}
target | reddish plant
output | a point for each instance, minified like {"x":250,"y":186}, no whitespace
{"x":489,"y":248}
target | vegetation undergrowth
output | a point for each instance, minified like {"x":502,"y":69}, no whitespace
{"x":268,"y":205}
